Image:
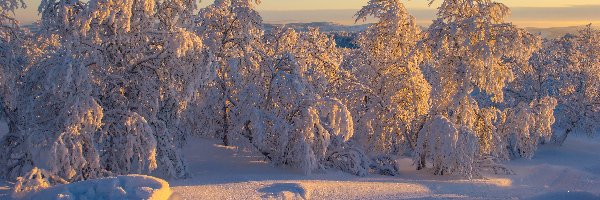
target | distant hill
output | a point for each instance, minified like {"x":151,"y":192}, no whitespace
{"x":554,"y":32}
{"x":323,"y":27}
{"x":328,"y":27}
{"x":331,"y":27}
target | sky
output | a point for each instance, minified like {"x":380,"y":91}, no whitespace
{"x":526,"y":13}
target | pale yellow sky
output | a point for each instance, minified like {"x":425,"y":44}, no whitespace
{"x":356,"y":4}
{"x":540,"y":13}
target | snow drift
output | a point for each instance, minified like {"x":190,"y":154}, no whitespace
{"x":120,"y":187}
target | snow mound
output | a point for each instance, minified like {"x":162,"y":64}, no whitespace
{"x":567,"y":195}
{"x":121,"y":187}
{"x":285,"y":191}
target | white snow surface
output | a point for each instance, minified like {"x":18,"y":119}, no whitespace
{"x":568,"y":172}
{"x":571,"y":171}
{"x":120,"y":187}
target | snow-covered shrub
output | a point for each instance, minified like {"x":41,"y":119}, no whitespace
{"x":451,"y":149}
{"x":169,"y":157}
{"x":35,"y":180}
{"x":319,"y":139}
{"x":385,"y":165}
{"x":128,"y":145}
{"x":349,"y":159}
{"x":308,"y":141}
{"x":528,"y":125}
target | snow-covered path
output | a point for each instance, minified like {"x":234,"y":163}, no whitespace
{"x":572,"y":171}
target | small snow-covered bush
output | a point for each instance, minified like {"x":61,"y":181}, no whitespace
{"x":318,"y":139}
{"x":450,"y":149}
{"x":528,"y":125}
{"x":350,"y":160}
{"x":35,"y":180}
{"x":127,"y":144}
{"x":385,"y":165}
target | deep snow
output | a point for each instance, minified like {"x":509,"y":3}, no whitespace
{"x":568,"y":172}
{"x":121,"y":187}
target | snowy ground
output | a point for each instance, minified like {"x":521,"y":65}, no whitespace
{"x":568,"y":172}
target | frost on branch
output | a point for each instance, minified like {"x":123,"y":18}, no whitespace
{"x":8,"y":24}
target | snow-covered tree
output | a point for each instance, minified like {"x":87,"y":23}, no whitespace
{"x":146,"y":64}
{"x":12,"y":58}
{"x":470,"y":48}
{"x":232,"y":32}
{"x":108,"y":97}
{"x":11,"y":64}
{"x":289,"y":114}
{"x":529,"y":107}
{"x":575,"y":63}
{"x":394,"y":95}
{"x":61,"y":119}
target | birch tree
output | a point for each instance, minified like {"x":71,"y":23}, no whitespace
{"x":577,"y":64}
{"x":232,"y":31}
{"x":467,"y":49}
{"x":395,"y":94}
{"x":109,"y":99}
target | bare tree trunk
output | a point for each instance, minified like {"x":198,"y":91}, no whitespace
{"x":422,"y":164}
{"x":225,"y":137}
{"x":11,"y":120}
{"x":561,"y":140}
